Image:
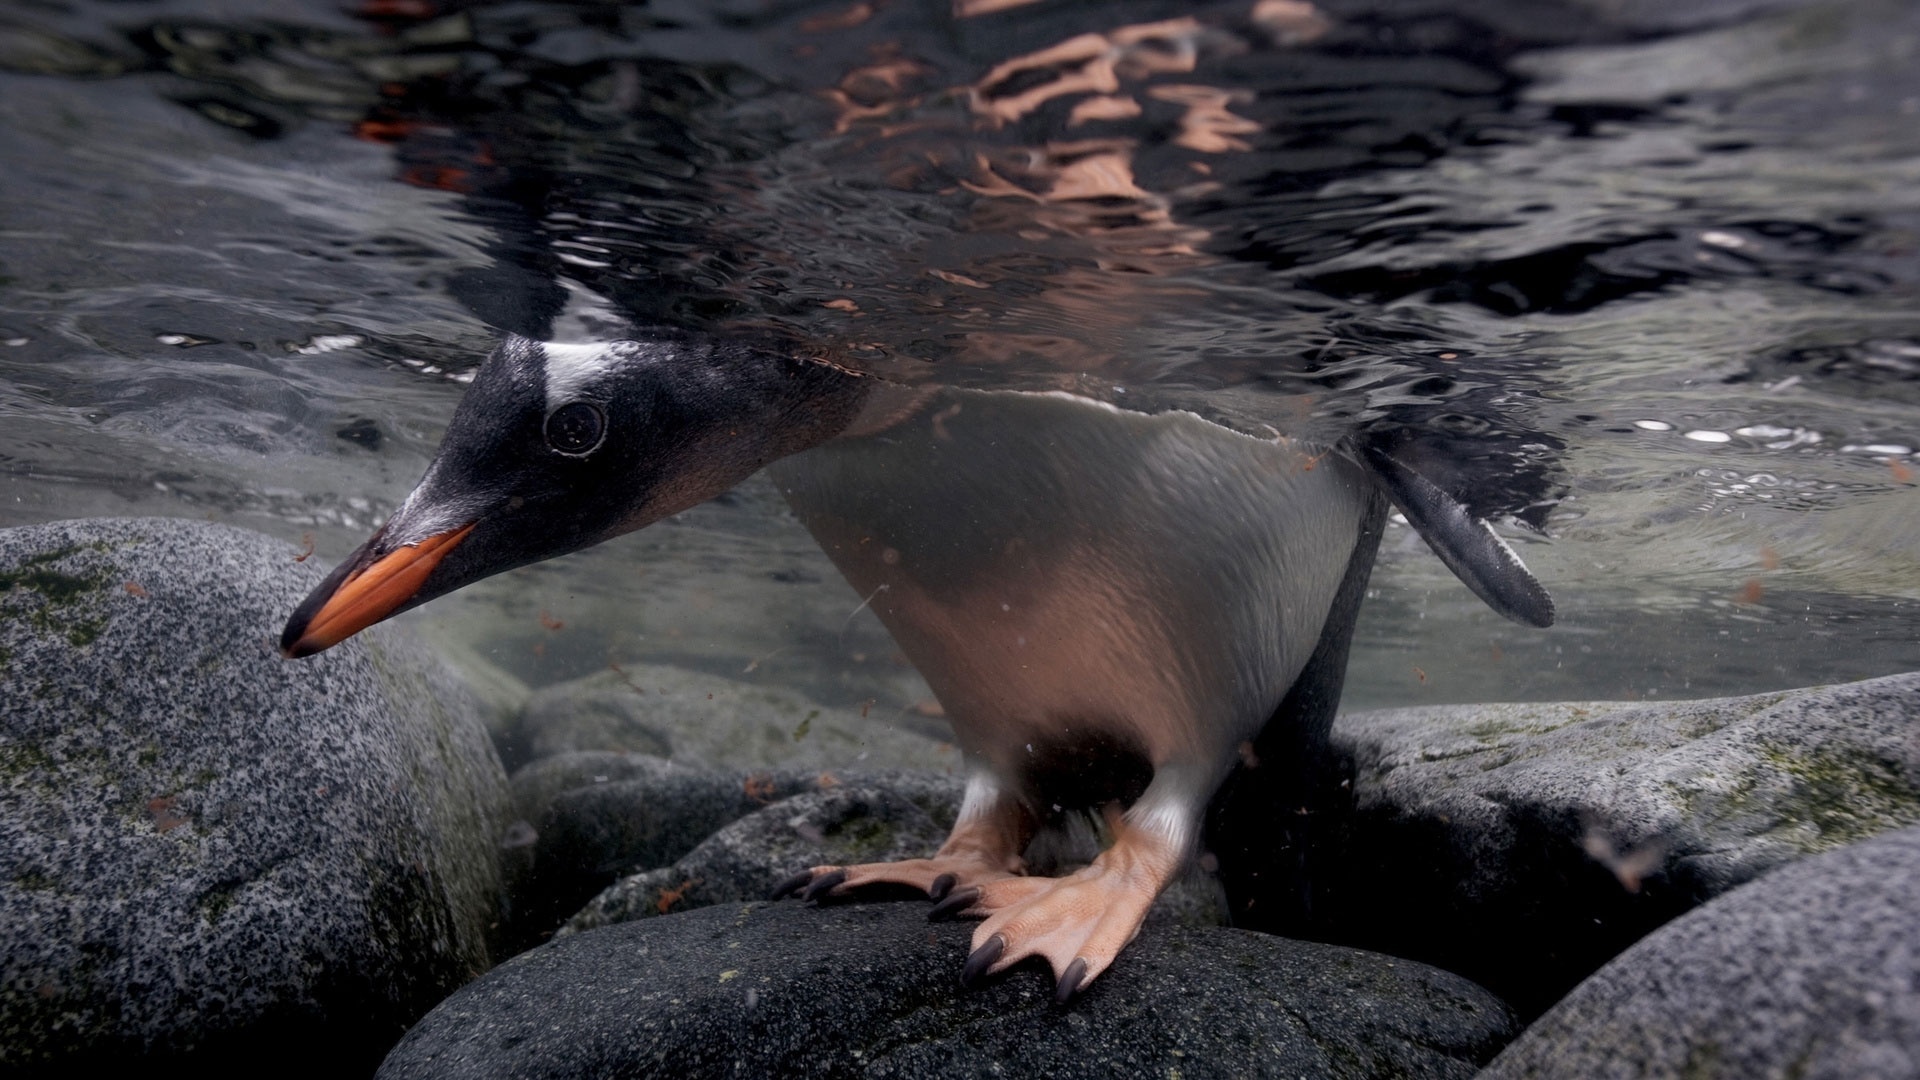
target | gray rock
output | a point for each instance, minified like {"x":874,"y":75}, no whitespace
{"x":206,"y":849}
{"x":611,"y":815}
{"x":702,"y":720}
{"x":1524,"y":845}
{"x":877,"y":818}
{"x":839,"y":826}
{"x":872,"y":990}
{"x":537,"y":785}
{"x":1811,"y":972}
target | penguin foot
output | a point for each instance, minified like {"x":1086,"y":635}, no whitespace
{"x":942,"y":877}
{"x":1078,"y":923}
{"x":982,"y":848}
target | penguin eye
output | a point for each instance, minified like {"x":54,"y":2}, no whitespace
{"x":576,"y":428}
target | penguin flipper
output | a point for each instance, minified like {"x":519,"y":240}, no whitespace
{"x":1467,"y":544}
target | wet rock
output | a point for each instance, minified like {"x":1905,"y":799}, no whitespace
{"x":702,"y":720}
{"x":597,"y":817}
{"x":880,"y":818}
{"x":1524,"y":845}
{"x":205,"y":850}
{"x":838,"y":826}
{"x":872,"y":990}
{"x":1811,"y":972}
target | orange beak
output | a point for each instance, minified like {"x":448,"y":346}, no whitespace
{"x":365,"y":595}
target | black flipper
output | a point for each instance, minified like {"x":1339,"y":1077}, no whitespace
{"x":1468,"y":545}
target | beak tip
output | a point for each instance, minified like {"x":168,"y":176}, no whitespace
{"x":364,"y":590}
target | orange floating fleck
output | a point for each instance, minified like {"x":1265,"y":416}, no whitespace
{"x":670,"y":897}
{"x":1751,"y":592}
{"x":133,"y":589}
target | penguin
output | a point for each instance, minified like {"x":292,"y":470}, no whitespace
{"x":1108,"y":604}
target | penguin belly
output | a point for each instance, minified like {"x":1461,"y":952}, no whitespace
{"x":1107,"y":604}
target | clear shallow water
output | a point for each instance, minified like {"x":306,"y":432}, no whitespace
{"x":1653,"y":266}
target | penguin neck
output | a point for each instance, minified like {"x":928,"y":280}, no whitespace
{"x":816,"y":402}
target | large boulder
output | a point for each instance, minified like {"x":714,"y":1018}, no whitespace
{"x":208,"y":852}
{"x":786,"y":989}
{"x":1524,"y":845}
{"x":1811,"y":973}
{"x":704,"y":720}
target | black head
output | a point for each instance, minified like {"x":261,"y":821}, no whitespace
{"x":558,"y":447}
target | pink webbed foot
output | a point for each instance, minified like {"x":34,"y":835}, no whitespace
{"x":938,"y":877}
{"x":1080,"y":922}
{"x":984,"y":847}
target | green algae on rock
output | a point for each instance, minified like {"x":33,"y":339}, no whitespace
{"x":205,"y":849}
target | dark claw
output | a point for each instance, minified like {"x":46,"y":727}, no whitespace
{"x":956,"y":902}
{"x":941,"y":886}
{"x":1069,"y":984}
{"x":824,"y":884}
{"x":982,"y":959}
{"x":791,"y":885}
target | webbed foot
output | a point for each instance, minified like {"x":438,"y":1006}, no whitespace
{"x":1079,"y":923}
{"x":941,"y":877}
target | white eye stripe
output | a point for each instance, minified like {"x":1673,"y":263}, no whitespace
{"x":570,"y":369}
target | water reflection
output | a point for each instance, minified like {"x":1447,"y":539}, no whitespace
{"x":1518,"y":235}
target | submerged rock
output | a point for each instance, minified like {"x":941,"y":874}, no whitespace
{"x":707,"y":721}
{"x":592,"y":818}
{"x":207,"y":852}
{"x":1524,"y":845}
{"x":872,"y":990}
{"x":1811,"y":972}
{"x":884,"y":817}
{"x":836,"y":827}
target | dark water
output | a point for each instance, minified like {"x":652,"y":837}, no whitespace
{"x":1648,"y":272}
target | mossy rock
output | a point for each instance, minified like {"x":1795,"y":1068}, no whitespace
{"x":206,"y":850}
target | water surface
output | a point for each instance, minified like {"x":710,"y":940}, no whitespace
{"x":1648,"y":271}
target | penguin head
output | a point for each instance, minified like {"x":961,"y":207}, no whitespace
{"x":558,"y":447}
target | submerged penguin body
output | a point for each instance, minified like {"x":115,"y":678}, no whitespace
{"x":1110,"y":606}
{"x":1082,"y":584}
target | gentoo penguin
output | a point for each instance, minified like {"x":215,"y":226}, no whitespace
{"x":1108,"y":604}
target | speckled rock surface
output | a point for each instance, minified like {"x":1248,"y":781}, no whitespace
{"x":872,"y":990}
{"x":1811,"y":973}
{"x":839,"y":826}
{"x":702,"y":720}
{"x":205,"y":849}
{"x":596,"y":817}
{"x":1524,"y":845}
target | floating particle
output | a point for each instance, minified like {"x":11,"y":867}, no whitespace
{"x":1709,"y":436}
{"x":1653,"y":425}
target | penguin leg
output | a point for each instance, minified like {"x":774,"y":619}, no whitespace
{"x":1080,"y":922}
{"x":990,"y":832}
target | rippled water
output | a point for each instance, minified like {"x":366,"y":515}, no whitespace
{"x":1648,"y":270}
